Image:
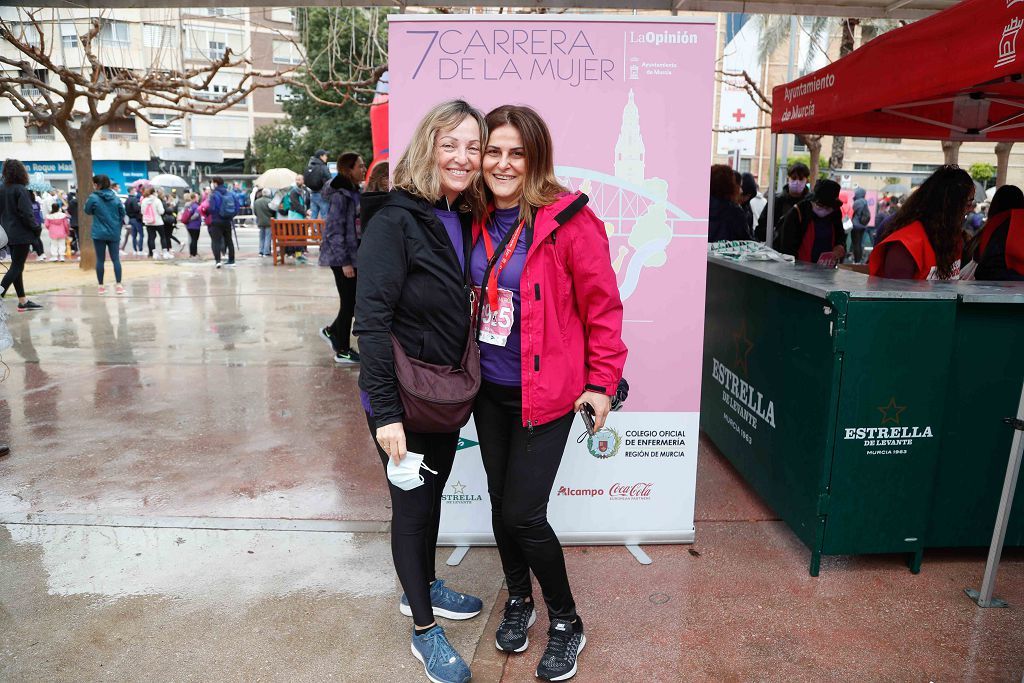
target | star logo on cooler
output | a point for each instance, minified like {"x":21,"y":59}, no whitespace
{"x":458,"y":488}
{"x":604,"y":443}
{"x":743,"y":348}
{"x":459,"y":496}
{"x":638,"y":491}
{"x":891,"y":412}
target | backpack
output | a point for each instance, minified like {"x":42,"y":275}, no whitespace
{"x":149,"y":214}
{"x":228,"y":206}
{"x":131,"y":205}
{"x":186,"y":215}
{"x":286,"y":203}
{"x":313,"y":178}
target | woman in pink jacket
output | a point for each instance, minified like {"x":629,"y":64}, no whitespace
{"x":550,"y":346}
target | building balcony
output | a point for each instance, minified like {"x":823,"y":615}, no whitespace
{"x":124,"y":137}
{"x":37,"y":136}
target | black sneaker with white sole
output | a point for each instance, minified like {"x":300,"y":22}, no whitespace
{"x":350,"y":357}
{"x":328,"y":337}
{"x":565,"y":642}
{"x":29,"y":306}
{"x":517,"y":620}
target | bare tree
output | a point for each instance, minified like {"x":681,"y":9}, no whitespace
{"x":77,"y":101}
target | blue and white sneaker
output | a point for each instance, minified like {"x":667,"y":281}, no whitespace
{"x":441,"y":662}
{"x":447,"y":603}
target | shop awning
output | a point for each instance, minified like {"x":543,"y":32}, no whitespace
{"x":956,"y":75}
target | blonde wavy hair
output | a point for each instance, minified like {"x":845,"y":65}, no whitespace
{"x":540,"y":186}
{"x":416,"y":171}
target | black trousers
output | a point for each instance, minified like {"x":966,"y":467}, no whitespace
{"x":220,"y":235}
{"x":857,"y":237}
{"x":193,"y":243}
{"x":521,"y":465}
{"x":341,"y":328}
{"x":19,"y":254}
{"x":151,"y":234}
{"x":416,"y":518}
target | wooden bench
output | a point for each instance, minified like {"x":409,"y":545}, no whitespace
{"x":294,"y":233}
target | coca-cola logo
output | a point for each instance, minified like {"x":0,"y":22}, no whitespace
{"x":639,"y":491}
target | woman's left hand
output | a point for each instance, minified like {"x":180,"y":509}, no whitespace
{"x":601,"y":404}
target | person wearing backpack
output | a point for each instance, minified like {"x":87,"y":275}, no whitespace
{"x":297,"y":204}
{"x":223,"y":207}
{"x":861,"y":220}
{"x":316,"y":176}
{"x":133,"y":207}
{"x":153,"y":219}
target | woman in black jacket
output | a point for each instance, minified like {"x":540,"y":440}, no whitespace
{"x":22,"y":229}
{"x":412,"y":284}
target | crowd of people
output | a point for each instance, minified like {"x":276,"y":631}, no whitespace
{"x":939,"y":231}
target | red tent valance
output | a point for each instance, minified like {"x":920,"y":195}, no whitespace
{"x":956,"y":75}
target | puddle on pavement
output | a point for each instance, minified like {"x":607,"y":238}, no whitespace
{"x":208,"y":564}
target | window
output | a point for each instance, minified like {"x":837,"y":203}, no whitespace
{"x":171,"y":130}
{"x":210,"y":43}
{"x":286,"y":15}
{"x":155,"y":35}
{"x":115,"y":32}
{"x":43,"y":131}
{"x":284,"y":93}
{"x":68,"y":35}
{"x":30,"y":90}
{"x":925,"y":168}
{"x":216,"y":49}
{"x":798,"y":145}
{"x":5,"y":130}
{"x":214,"y":11}
{"x":26,"y":32}
{"x":286,"y":53}
{"x":862,"y":165}
{"x":213,"y":91}
{"x":745,"y":164}
{"x":121,"y":129}
{"x":878,"y":141}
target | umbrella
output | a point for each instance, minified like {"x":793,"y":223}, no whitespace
{"x":40,"y":186}
{"x":276,"y":178}
{"x":168,"y":180}
{"x":895,"y":188}
{"x":140,"y":181}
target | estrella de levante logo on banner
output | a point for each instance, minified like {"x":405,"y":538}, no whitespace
{"x":604,"y":443}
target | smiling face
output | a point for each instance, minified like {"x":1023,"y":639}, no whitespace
{"x":457,"y":153}
{"x":504,"y":166}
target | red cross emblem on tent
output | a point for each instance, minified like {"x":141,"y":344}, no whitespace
{"x":739,"y":115}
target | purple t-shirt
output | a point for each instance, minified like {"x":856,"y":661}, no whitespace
{"x":453,"y":226}
{"x":501,"y":364}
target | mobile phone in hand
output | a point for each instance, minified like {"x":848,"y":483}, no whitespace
{"x":588,"y":417}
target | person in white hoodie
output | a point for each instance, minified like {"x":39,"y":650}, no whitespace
{"x":153,"y":219}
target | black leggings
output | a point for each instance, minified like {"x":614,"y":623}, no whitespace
{"x":521,"y":466}
{"x":341,"y":328}
{"x":19,"y":254}
{"x":416,"y":517}
{"x":220,"y":235}
{"x":193,"y":242}
{"x":152,"y":231}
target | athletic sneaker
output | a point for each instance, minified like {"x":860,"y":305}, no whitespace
{"x":119,"y":288}
{"x":447,"y":603}
{"x":328,"y":336}
{"x":565,"y":642}
{"x":301,"y":259}
{"x":440,"y":660}
{"x":218,"y":264}
{"x":229,"y":264}
{"x":518,"y":618}
{"x":29,"y":306}
{"x":101,"y":290}
{"x":349,"y":357}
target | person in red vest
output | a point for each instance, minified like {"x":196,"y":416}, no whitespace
{"x":814,"y":226}
{"x":999,"y":247}
{"x":924,"y":241}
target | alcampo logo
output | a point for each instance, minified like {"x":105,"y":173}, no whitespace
{"x":590,"y":493}
{"x":604,"y":443}
{"x":459,"y":495}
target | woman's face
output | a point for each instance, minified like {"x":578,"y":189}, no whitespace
{"x":504,"y":166}
{"x":457,"y":152}
{"x":358,"y":171}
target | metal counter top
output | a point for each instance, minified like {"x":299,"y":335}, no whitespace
{"x":820,"y":282}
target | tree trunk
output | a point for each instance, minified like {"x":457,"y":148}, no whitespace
{"x":1003,"y":160}
{"x":835,"y":161}
{"x":80,"y":142}
{"x":813,"y":143}
{"x":951,"y":152}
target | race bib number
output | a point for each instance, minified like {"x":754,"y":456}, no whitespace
{"x":954,"y":274}
{"x":495,"y":326}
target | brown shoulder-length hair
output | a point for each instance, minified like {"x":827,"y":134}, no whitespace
{"x":723,"y":183}
{"x":14,"y":172}
{"x":416,"y":171}
{"x":540,"y":186}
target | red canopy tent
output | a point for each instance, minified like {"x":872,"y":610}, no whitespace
{"x":956,"y":75}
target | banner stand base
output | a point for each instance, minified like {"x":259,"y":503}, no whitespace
{"x":638,"y":552}
{"x":457,"y":555}
{"x":976,"y":596}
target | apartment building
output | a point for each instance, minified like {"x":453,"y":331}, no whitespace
{"x":143,"y":39}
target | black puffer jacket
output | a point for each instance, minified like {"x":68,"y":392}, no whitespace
{"x":16,"y":215}
{"x":411,"y":285}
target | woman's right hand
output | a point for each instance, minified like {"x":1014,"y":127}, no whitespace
{"x":392,"y":439}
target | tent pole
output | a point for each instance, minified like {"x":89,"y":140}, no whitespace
{"x":770,"y":208}
{"x":984,"y":596}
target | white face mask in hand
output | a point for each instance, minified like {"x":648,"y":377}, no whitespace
{"x":406,"y":474}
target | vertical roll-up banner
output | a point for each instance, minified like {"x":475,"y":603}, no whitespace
{"x":629,"y":105}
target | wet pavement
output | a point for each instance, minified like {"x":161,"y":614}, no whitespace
{"x":193,"y":496}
